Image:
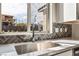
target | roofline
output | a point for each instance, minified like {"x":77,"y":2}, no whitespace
{"x":7,"y":15}
{"x":41,"y":8}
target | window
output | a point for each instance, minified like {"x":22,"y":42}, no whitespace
{"x":22,"y":16}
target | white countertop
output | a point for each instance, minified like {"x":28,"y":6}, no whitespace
{"x":64,"y":45}
{"x":20,"y":33}
{"x":15,"y":33}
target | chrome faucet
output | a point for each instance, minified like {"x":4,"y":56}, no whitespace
{"x":33,"y":33}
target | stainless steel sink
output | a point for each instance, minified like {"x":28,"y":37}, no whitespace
{"x":31,"y":47}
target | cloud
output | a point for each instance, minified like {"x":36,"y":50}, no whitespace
{"x":13,"y":9}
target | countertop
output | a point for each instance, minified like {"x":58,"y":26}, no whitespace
{"x":14,"y":33}
{"x":72,"y":22}
{"x":19,"y":33}
{"x":65,"y":44}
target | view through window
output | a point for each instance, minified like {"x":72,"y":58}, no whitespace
{"x":14,"y":17}
{"x":18,"y":17}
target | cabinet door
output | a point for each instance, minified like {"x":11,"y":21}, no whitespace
{"x":67,"y":53}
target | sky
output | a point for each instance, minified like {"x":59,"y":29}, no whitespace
{"x":19,"y":11}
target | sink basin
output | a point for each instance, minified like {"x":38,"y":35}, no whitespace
{"x":31,"y":47}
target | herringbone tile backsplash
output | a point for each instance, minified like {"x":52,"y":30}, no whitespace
{"x":59,"y":31}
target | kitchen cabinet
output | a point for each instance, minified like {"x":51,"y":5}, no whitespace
{"x":69,"y":12}
{"x":65,"y":12}
{"x":75,"y":29}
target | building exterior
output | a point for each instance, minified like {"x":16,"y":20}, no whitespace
{"x":7,"y":18}
{"x":44,"y":10}
{"x":7,"y":22}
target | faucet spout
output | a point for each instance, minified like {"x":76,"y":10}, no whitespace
{"x":33,"y":34}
